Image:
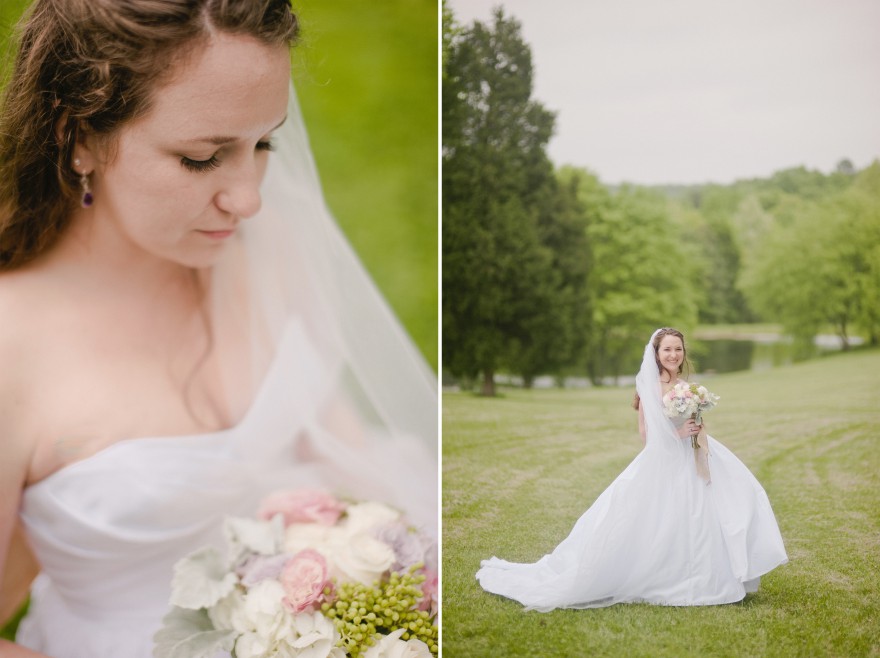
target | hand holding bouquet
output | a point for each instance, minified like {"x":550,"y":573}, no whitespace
{"x":313,"y":577}
{"x":685,"y":400}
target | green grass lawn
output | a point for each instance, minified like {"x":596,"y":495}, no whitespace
{"x":519,"y":470}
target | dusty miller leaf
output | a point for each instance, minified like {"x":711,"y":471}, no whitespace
{"x":190,"y":634}
{"x":200,"y":580}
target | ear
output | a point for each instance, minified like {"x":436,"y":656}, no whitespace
{"x":82,"y":151}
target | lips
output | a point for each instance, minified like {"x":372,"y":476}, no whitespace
{"x":218,"y":235}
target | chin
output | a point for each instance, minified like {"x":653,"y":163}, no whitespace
{"x":202,"y":258}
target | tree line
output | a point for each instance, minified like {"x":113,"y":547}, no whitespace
{"x":548,"y":271}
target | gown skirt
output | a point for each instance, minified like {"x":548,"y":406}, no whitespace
{"x":658,"y":534}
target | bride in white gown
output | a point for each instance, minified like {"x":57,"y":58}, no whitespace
{"x":667,"y":531}
{"x":184,"y":328}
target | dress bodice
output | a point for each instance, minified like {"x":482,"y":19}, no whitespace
{"x":108,"y":529}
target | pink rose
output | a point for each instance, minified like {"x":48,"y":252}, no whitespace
{"x":304,"y":578}
{"x":302,"y":506}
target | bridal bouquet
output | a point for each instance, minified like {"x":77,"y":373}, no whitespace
{"x":311,"y":577}
{"x":688,"y":400}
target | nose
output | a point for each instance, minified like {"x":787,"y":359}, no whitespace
{"x":240,"y":195}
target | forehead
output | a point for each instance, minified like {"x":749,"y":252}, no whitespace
{"x":670,"y":341}
{"x":232,"y":85}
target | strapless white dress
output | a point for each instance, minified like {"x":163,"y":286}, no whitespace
{"x":107,"y":530}
{"x":658,"y":534}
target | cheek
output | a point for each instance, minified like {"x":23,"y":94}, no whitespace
{"x":153,"y":195}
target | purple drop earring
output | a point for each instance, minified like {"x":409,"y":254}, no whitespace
{"x":87,"y":198}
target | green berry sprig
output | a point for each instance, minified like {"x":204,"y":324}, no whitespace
{"x":361,"y":612}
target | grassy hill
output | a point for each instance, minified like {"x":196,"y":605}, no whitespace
{"x":520,"y":469}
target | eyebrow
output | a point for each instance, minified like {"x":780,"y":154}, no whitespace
{"x":220,"y":140}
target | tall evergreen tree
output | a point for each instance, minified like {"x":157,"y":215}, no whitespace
{"x":557,"y":334}
{"x":497,"y":275}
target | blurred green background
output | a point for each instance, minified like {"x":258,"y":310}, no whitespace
{"x":366,"y":74}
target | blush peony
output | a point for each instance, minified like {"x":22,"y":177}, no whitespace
{"x":304,"y":578}
{"x":302,"y":506}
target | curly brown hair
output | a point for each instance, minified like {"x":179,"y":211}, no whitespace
{"x":89,"y":67}
{"x":658,"y":338}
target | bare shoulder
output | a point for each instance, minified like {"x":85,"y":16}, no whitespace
{"x":19,"y":312}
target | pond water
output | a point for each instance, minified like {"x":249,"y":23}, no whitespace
{"x":708,"y":356}
{"x":756,"y":353}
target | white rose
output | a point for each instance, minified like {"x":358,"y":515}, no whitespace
{"x":391,"y":646}
{"x":316,"y":636}
{"x":300,"y":536}
{"x":362,"y":517}
{"x":362,"y":558}
{"x":264,"y":612}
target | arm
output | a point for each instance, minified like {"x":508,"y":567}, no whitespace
{"x":10,"y":650}
{"x":19,"y":572}
{"x":17,"y":564}
{"x":642,"y":430}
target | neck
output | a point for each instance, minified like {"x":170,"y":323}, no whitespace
{"x":668,"y":377}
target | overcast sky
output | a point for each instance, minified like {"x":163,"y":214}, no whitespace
{"x":689,"y":91}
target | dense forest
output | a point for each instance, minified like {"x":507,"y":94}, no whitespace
{"x":547,"y":271}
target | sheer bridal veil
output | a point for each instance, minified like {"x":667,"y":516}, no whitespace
{"x":661,"y":436}
{"x":292,"y":263}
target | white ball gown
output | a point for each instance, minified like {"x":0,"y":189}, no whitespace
{"x":658,"y":534}
{"x":326,"y":355}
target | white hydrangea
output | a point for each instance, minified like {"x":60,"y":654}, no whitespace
{"x":228,"y":614}
{"x":265,"y":615}
{"x":391,"y":646}
{"x":316,"y":636}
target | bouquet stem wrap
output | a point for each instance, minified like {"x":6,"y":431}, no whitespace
{"x":700,"y":444}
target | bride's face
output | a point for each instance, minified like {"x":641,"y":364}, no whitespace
{"x":671,"y":354}
{"x":177,"y":182}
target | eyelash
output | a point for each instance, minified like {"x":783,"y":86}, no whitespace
{"x":213,"y":162}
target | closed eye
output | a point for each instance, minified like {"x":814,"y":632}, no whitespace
{"x":200,"y":165}
{"x":213,"y":162}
